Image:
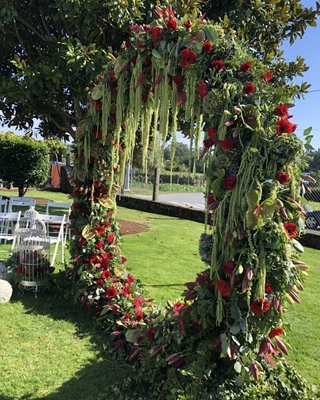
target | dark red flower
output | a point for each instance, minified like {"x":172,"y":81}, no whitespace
{"x":218,"y":65}
{"x":207,"y":47}
{"x":177,"y":307}
{"x":139,"y":315}
{"x":151,"y":333}
{"x":100,"y":282}
{"x":282,"y":177}
{"x":188,"y":57}
{"x":229,"y":183}
{"x":212,"y":132}
{"x":98,"y":230}
{"x":127,"y":44}
{"x":144,"y":96}
{"x":268,"y":288}
{"x":81,"y":241}
{"x":202,"y":89}
{"x":156,"y":33}
{"x":99,"y":245}
{"x":187,"y":24}
{"x":112,"y":74}
{"x":228,"y":267}
{"x":172,"y":25}
{"x":267,"y":76}
{"x":133,"y":60}
{"x":224,"y":288}
{"x":227,"y":144}
{"x":260,"y":306}
{"x":111,"y":292}
{"x":281,"y":110}
{"x":245,"y":66}
{"x":178,"y":79}
{"x":130,"y":279}
{"x":105,"y":274}
{"x":285,"y":126}
{"x":110,"y":237}
{"x":97,"y":105}
{"x":276,"y":332}
{"x":20,"y":270}
{"x":291,"y":229}
{"x":248,"y":89}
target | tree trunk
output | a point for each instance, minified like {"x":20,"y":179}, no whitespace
{"x":156,"y":181}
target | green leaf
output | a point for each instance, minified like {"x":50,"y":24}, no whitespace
{"x":234,"y":329}
{"x":97,"y":92}
{"x":297,"y":246}
{"x":216,"y":186}
{"x":307,"y":131}
{"x":254,"y":150}
{"x":156,"y":54}
{"x":239,"y":380}
{"x":211,"y":33}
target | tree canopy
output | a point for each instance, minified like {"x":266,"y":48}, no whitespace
{"x":52,"y":50}
{"x":23,"y":161}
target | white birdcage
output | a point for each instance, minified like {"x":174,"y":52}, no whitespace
{"x":32,"y":253}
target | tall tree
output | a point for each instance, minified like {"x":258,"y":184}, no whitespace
{"x":52,"y":50}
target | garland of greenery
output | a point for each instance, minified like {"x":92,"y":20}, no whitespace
{"x":227,"y":331}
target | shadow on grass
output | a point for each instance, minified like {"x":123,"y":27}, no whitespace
{"x":92,"y":381}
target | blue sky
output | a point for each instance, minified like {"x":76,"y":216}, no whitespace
{"x":306,"y":111}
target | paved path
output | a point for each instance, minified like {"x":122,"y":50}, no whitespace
{"x":188,"y":200}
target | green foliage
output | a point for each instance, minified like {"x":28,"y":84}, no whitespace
{"x":23,"y":161}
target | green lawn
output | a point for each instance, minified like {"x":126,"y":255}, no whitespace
{"x":49,"y":350}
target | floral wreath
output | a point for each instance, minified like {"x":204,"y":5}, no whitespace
{"x":191,"y":72}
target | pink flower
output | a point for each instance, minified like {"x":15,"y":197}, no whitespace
{"x":266,"y":347}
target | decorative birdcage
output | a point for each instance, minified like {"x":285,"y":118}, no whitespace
{"x":32,"y":253}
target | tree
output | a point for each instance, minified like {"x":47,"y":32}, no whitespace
{"x":23,"y":161}
{"x":52,"y":51}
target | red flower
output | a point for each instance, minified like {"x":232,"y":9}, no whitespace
{"x":112,"y":74}
{"x":260,"y":306}
{"x":212,"y":132}
{"x":81,"y":241}
{"x":111,"y":292}
{"x":245,"y":66}
{"x":97,"y":105}
{"x":268,"y":288}
{"x":266,"y":347}
{"x":133,"y":60}
{"x":248,"y":89}
{"x":202,"y":89}
{"x":99,"y":245}
{"x":291,"y":229}
{"x":285,"y":126}
{"x":151,"y":333}
{"x":267,"y":76}
{"x":139,"y":315}
{"x":130,"y":279}
{"x":218,"y":65}
{"x":144,"y":96}
{"x":188,"y":57}
{"x":276,"y":332}
{"x":177,"y":307}
{"x":156,"y":33}
{"x":110,"y":237}
{"x":227,"y":144}
{"x":126,"y":290}
{"x":281,"y":110}
{"x":207,"y":47}
{"x":172,"y":24}
{"x":178,"y":79}
{"x":282,"y":177}
{"x":228,"y":267}
{"x":187,"y":24}
{"x":98,"y":230}
{"x":224,"y":288}
{"x":105,"y":274}
{"x":100,"y":282}
{"x":229,"y":183}
{"x":20,"y":270}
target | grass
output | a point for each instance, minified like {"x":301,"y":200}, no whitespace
{"x":49,"y":350}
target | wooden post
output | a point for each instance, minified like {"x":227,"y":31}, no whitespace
{"x":156,"y":182}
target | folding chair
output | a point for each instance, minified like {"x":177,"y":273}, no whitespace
{"x":54,"y":205}
{"x":55,"y":225}
{"x":3,"y":205}
{"x":9,"y":221}
{"x":17,"y":201}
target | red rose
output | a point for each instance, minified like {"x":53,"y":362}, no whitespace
{"x":245,"y":66}
{"x":224,"y":288}
{"x":267,"y":76}
{"x":248,"y":89}
{"x":230,"y":182}
{"x":172,"y":24}
{"x":285,"y":126}
{"x":227,"y":144}
{"x":105,"y":274}
{"x":156,"y":33}
{"x":228,"y":267}
{"x":202,"y":89}
{"x":111,"y":292}
{"x":282,"y":177}
{"x":218,"y":65}
{"x":281,"y":110}
{"x":260,"y":306}
{"x":207,"y":47}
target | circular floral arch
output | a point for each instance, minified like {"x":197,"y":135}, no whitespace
{"x":191,"y":72}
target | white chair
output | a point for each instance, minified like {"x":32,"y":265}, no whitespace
{"x":54,"y":205}
{"x":55,"y":225}
{"x":17,"y":201}
{"x":3,"y":205}
{"x":9,"y":221}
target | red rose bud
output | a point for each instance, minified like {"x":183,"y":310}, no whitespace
{"x":254,"y":370}
{"x":280,"y":345}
